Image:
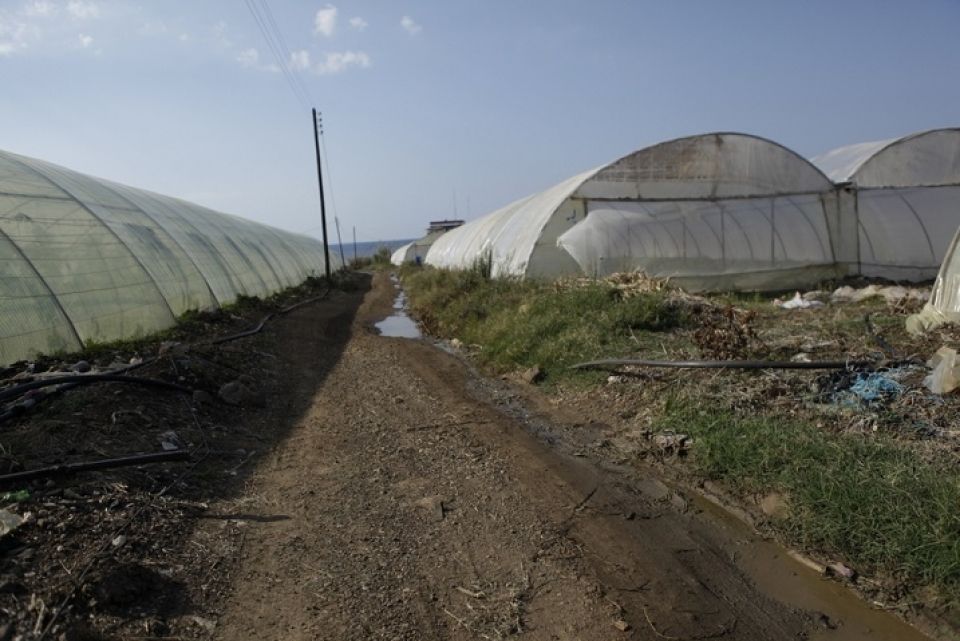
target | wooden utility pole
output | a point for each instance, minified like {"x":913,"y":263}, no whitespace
{"x":317,"y":125}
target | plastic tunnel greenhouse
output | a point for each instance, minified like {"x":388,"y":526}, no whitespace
{"x":85,"y":259}
{"x":905,"y":195}
{"x":721,"y":210}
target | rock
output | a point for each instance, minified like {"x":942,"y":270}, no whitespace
{"x":119,"y":540}
{"x":532,"y":375}
{"x":678,"y":502}
{"x":70,"y":493}
{"x":654,"y":489}
{"x":202,"y":398}
{"x":621,"y":625}
{"x":613,"y":379}
{"x":775,"y":506}
{"x":669,"y":441}
{"x":81,"y":367}
{"x":456,"y":343}
{"x":433,"y":506}
{"x":839,"y":569}
{"x":235,"y":393}
{"x":209,"y":625}
{"x":9,"y":522}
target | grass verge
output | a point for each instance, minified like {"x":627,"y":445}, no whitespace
{"x":522,"y":323}
{"x":871,"y":500}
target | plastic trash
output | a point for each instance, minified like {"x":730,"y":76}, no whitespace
{"x":874,"y":387}
{"x":945,"y":376}
{"x":798,"y":302}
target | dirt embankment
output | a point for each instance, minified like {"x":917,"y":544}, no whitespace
{"x":395,"y":494}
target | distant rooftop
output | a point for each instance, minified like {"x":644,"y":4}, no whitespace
{"x":443,"y":225}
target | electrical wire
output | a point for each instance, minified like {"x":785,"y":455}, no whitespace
{"x":285,"y":49}
{"x":273,"y":40}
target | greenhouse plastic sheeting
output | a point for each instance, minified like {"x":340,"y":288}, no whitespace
{"x":663,"y":209}
{"x":85,"y":259}
{"x":906,"y":200}
{"x":418,"y":249}
{"x":944,"y":304}
{"x":506,"y":237}
{"x":399,"y":257}
{"x":707,"y":243}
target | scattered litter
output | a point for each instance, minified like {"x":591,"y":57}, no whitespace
{"x":892,"y":294}
{"x":119,"y":540}
{"x":613,"y":379}
{"x":875,"y":386}
{"x":945,"y":376}
{"x":621,"y":625}
{"x":627,"y":284}
{"x":171,"y":441}
{"x":9,"y":522}
{"x":797,"y":302}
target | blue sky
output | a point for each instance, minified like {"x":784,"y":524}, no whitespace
{"x":446,"y":106}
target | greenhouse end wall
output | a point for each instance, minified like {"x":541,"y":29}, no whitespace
{"x":88,"y":260}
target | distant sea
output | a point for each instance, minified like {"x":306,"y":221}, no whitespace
{"x":368,"y":248}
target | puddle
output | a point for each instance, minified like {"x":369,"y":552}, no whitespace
{"x":398,"y":324}
{"x":781,"y":576}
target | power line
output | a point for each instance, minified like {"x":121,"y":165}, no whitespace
{"x":285,"y":49}
{"x":299,"y":91}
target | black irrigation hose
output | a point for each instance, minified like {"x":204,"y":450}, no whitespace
{"x":69,"y":382}
{"x":259,"y":326}
{"x":84,"y":379}
{"x":759,"y":364}
{"x":65,"y":469}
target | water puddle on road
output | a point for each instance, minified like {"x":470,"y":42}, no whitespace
{"x":776,"y":573}
{"x":399,"y":324}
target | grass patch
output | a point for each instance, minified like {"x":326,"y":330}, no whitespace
{"x":518,"y":324}
{"x":870,"y":501}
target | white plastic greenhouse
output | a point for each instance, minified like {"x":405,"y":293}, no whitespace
{"x":905,"y":198}
{"x":417,"y":249}
{"x":722,"y":210}
{"x":85,"y":259}
{"x":732,"y":211}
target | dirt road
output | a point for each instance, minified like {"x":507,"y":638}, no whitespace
{"x":414,"y":500}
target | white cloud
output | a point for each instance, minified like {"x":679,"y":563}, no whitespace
{"x":7,"y":48}
{"x":358,"y":23}
{"x":250,"y":58}
{"x":339,"y":61}
{"x":220,"y":37}
{"x":83,"y":9}
{"x":40,"y":9}
{"x":85,"y":40}
{"x":325,"y":21}
{"x":300,"y":60}
{"x":183,"y":37}
{"x":410,"y":26}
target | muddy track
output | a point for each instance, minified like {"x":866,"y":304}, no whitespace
{"x":414,"y":500}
